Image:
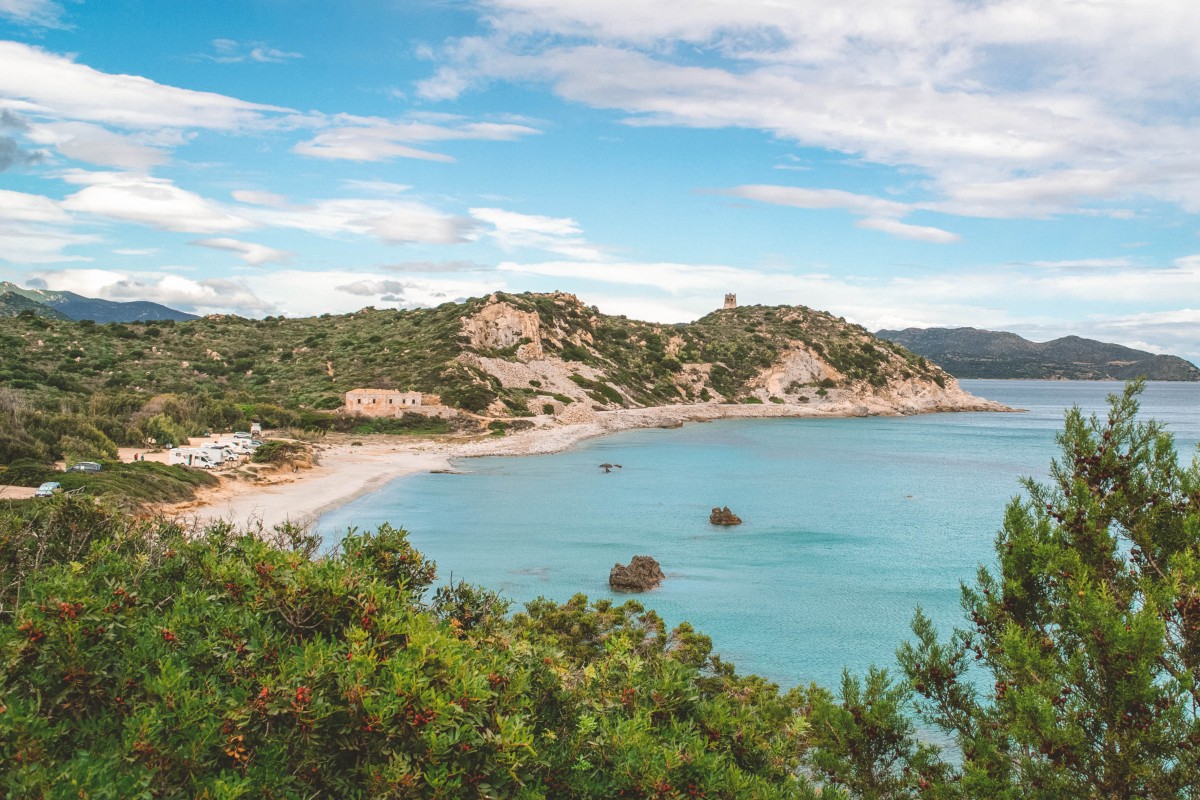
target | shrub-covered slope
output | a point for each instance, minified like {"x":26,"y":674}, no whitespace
{"x":309,"y":363}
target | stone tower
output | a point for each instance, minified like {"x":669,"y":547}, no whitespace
{"x":730,"y":301}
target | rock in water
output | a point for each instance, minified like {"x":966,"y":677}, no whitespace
{"x":642,"y":573}
{"x":723,"y":516}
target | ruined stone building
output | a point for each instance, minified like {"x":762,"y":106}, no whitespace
{"x":730,"y":301}
{"x":393,"y":403}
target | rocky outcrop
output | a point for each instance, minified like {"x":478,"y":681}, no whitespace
{"x":723,"y":516}
{"x":499,"y":325}
{"x":641,"y":574}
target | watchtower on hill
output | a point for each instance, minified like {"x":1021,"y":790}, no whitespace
{"x":730,"y":301}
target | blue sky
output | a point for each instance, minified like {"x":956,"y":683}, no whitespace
{"x":1025,"y":165}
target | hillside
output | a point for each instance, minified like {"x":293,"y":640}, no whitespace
{"x":504,"y":355}
{"x":12,"y":304}
{"x":975,"y":353}
{"x":77,"y":307}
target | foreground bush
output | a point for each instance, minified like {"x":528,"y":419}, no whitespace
{"x":152,"y":665}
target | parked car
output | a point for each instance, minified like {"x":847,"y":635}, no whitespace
{"x":85,"y":466}
{"x":48,"y":489}
{"x":241,"y":435}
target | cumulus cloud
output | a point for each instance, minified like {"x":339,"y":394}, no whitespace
{"x":375,"y":288}
{"x":253,"y":254}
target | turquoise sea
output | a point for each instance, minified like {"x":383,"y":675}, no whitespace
{"x":850,"y":524}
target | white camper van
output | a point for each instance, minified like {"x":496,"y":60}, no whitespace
{"x":193,"y":457}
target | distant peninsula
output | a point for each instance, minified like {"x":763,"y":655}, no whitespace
{"x":68,"y":305}
{"x":976,"y":353}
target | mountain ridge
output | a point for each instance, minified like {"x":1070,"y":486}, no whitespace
{"x":978,"y":353}
{"x":78,"y":307}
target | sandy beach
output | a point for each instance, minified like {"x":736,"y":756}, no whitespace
{"x":347,"y":470}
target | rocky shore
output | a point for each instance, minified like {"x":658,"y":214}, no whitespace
{"x":347,"y":471}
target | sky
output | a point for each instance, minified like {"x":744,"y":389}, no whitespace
{"x":1021,"y":165}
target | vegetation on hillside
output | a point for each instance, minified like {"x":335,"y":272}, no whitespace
{"x":139,"y":661}
{"x":76,"y":390}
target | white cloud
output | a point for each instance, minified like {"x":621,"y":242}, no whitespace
{"x":560,"y":235}
{"x":98,"y":145}
{"x":394,"y":221}
{"x":156,"y":202}
{"x":136,"y":251}
{"x":206,"y":296}
{"x":22,"y":207}
{"x":1086,"y":263}
{"x":1011,"y":108}
{"x":880,"y":213}
{"x":253,"y":254}
{"x":39,"y":244}
{"x":230,"y":51}
{"x":257,"y":198}
{"x":376,"y":139}
{"x":903,"y":230}
{"x":32,"y":12}
{"x":60,"y":88}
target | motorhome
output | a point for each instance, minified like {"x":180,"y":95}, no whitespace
{"x":194,"y":457}
{"x":221,"y":452}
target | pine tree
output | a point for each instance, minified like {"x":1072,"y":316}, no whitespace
{"x":1079,"y":676}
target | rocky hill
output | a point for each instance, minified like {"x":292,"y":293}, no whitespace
{"x":975,"y":353}
{"x":12,"y":304}
{"x":77,"y":307}
{"x":501,"y":356}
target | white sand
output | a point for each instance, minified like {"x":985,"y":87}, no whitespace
{"x":346,"y":471}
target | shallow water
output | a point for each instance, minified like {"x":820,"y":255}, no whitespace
{"x":849,"y":523}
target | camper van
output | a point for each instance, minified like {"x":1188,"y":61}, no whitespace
{"x":194,"y":457}
{"x":221,"y":452}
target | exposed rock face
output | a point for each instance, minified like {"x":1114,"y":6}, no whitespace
{"x":642,"y":573}
{"x":723,"y":516}
{"x":499,"y":325}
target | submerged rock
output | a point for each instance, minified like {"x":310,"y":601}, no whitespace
{"x":642,"y":573}
{"x":723,"y":516}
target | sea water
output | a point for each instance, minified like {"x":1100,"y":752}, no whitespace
{"x":849,"y":524}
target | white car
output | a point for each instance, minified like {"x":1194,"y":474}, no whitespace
{"x":48,"y":489}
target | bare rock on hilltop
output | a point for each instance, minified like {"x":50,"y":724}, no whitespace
{"x":641,"y":574}
{"x":723,"y":516}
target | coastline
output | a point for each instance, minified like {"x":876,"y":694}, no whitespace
{"x":346,"y":471}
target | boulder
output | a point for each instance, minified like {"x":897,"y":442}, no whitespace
{"x":723,"y":516}
{"x":642,"y":573}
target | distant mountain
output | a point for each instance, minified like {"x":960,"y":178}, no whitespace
{"x":77,"y":307}
{"x":975,"y":353}
{"x":12,"y":304}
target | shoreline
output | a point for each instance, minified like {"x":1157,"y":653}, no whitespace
{"x":347,"y":471}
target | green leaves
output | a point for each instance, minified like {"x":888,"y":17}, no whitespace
{"x":226,"y":666}
{"x":1086,"y":635}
